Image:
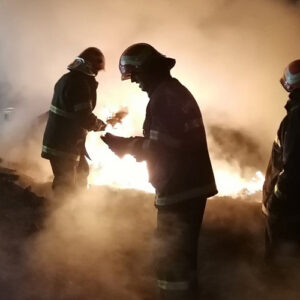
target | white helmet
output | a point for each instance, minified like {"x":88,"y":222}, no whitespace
{"x":291,"y":76}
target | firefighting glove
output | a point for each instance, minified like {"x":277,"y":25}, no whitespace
{"x":119,"y":145}
{"x":99,"y":125}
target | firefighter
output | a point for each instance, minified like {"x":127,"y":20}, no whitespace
{"x":70,"y":118}
{"x":175,"y":148}
{"x":281,"y":204}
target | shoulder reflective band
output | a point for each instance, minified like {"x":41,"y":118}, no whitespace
{"x":61,"y":112}
{"x":193,"y":124}
{"x":82,"y":106}
{"x":59,"y":153}
{"x":203,"y":191}
{"x":166,"y":139}
{"x":173,"y":285}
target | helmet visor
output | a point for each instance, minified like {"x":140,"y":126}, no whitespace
{"x":131,"y":63}
{"x":126,"y":71}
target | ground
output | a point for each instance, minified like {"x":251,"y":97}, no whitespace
{"x":98,"y":246}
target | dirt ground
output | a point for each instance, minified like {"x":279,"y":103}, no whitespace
{"x":98,"y":246}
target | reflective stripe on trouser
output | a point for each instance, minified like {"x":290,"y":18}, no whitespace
{"x":176,"y":290}
{"x":60,"y":154}
{"x":173,"y":285}
{"x":202,"y":191}
{"x":282,"y":236}
{"x":178,"y":228}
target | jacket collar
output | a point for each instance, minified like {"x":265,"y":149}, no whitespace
{"x":294,"y":100}
{"x":81,"y":65}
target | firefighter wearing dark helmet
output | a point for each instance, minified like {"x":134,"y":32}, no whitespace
{"x":281,"y":203}
{"x":174,"y":146}
{"x":70,"y":118}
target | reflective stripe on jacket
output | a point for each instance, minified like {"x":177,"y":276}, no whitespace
{"x":173,"y":285}
{"x":70,"y":116}
{"x":175,"y":146}
{"x":281,"y":187}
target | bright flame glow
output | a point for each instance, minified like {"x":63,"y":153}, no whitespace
{"x":108,"y":169}
{"x":121,"y":173}
{"x":232,"y":184}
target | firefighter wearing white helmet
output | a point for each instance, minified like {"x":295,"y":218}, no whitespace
{"x":175,"y":148}
{"x":281,"y":203}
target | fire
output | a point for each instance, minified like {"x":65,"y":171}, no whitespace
{"x":233,"y":184}
{"x":108,"y":169}
{"x":120,"y":173}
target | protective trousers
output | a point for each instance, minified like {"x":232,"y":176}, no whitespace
{"x":282,"y":237}
{"x":69,"y":175}
{"x":178,"y":228}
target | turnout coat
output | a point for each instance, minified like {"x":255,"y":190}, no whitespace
{"x":70,"y":116}
{"x":282,"y":183}
{"x":174,"y":146}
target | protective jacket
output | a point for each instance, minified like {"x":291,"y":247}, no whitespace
{"x":281,"y":187}
{"x":174,"y":145}
{"x":70,"y":116}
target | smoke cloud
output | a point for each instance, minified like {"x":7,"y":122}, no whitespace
{"x":99,"y":246}
{"x":230,"y":54}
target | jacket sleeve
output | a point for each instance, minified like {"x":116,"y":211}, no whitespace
{"x":176,"y":127}
{"x":272,"y":172}
{"x":166,"y":133}
{"x":288,"y":180}
{"x":177,"y":123}
{"x":80,"y":96}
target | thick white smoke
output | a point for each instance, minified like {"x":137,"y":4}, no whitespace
{"x":230,"y":54}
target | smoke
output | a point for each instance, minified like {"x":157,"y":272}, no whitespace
{"x":231,"y":256}
{"x":97,"y":245}
{"x":230,"y":54}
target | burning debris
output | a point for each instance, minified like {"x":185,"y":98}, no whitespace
{"x":117,"y":117}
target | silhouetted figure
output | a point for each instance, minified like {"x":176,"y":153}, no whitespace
{"x":174,"y":146}
{"x":281,"y":203}
{"x":70,"y":119}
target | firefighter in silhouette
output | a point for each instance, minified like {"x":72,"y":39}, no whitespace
{"x":281,"y":203}
{"x":174,"y":146}
{"x":70,"y":118}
